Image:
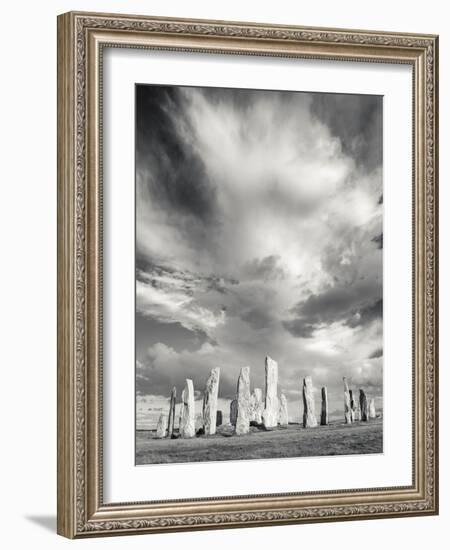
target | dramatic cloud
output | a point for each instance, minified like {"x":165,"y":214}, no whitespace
{"x":377,"y":353}
{"x":258,"y":232}
{"x":356,"y":121}
{"x":170,"y":296}
{"x":378,"y":239}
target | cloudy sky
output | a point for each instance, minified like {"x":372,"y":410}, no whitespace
{"x":258,"y":232}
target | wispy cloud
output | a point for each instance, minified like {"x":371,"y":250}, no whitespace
{"x":169,"y":296}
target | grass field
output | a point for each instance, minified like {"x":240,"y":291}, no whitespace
{"x":291,"y":441}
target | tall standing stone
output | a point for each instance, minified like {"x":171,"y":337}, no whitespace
{"x":258,"y":405}
{"x":347,"y":404}
{"x":161,"y":428}
{"x":372,"y":410}
{"x":187,"y":424}
{"x":171,"y":423}
{"x":270,"y":414}
{"x":309,"y":415}
{"x":324,"y":409}
{"x":283,"y":415}
{"x":352,"y":406}
{"x":233,"y":412}
{"x":252,"y":408}
{"x":243,"y":402}
{"x":363,"y":406}
{"x":210,"y":402}
{"x":180,"y":421}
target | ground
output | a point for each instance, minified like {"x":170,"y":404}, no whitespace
{"x":291,"y":441}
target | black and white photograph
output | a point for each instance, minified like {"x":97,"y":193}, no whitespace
{"x":225,"y":248}
{"x":259,"y":274}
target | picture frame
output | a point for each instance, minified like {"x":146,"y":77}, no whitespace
{"x":82,"y":41}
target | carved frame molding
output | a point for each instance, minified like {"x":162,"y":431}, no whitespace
{"x":81,"y":38}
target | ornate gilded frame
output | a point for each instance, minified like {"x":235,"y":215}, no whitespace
{"x":81,"y":37}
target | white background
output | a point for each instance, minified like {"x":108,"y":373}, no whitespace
{"x":123,"y":482}
{"x":28,"y":275}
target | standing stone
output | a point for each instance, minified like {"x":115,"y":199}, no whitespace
{"x":233,"y":412}
{"x":210,"y":402}
{"x":180,"y":421}
{"x":258,"y":406}
{"x":252,"y":408}
{"x":352,"y":406}
{"x":171,"y":423}
{"x":324,"y":410}
{"x":347,"y":405}
{"x":187,"y":421}
{"x":309,"y":415}
{"x":363,"y":406}
{"x":219,"y":418}
{"x":357,"y":412}
{"x":270,"y":414}
{"x":372,"y":410}
{"x":161,"y":428}
{"x":243,"y":402}
{"x":283,"y":415}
